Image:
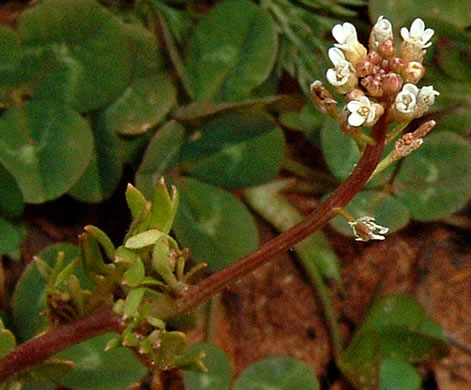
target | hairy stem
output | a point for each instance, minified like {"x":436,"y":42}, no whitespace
{"x":324,"y":213}
{"x":46,"y":345}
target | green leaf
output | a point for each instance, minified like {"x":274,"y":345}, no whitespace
{"x":10,"y":57}
{"x":214,"y":224}
{"x":132,"y":302}
{"x":135,"y":274}
{"x":135,"y":200}
{"x":244,"y":164}
{"x":395,"y":374}
{"x":218,"y":375}
{"x":29,"y":297}
{"x":7,"y":342}
{"x":400,"y":12}
{"x":435,"y":181}
{"x":160,"y":155}
{"x":10,"y":237}
{"x":229,"y":56}
{"x":141,"y":240}
{"x":11,"y":198}
{"x":387,"y":211}
{"x":164,"y":207}
{"x":46,"y":147}
{"x":458,"y":122}
{"x":225,"y":131}
{"x":104,"y":171}
{"x":396,"y":327}
{"x":91,"y":51}
{"x":142,"y":105}
{"x":278,"y":373}
{"x":97,"y":369}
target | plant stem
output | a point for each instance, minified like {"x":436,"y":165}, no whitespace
{"x":326,"y":211}
{"x":46,"y":345}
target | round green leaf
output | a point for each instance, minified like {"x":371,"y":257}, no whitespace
{"x":396,"y":374}
{"x":400,"y":12}
{"x":278,"y":373}
{"x":458,"y":121}
{"x":104,"y":171}
{"x":97,"y":369}
{"x":214,"y":224}
{"x":11,"y":199}
{"x":435,"y":181}
{"x":245,"y":164}
{"x":46,"y":147}
{"x":229,"y":56}
{"x":218,"y":375}
{"x":144,"y":104}
{"x":10,"y":56}
{"x":160,"y":155}
{"x":29,"y":298}
{"x":387,"y":211}
{"x":10,"y":237}
{"x":89,"y":45}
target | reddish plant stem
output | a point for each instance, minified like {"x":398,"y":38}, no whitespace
{"x":210,"y":286}
{"x":46,"y":345}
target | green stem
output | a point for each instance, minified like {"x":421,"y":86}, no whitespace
{"x":396,"y":131}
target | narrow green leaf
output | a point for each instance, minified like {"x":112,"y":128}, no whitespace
{"x":227,"y":56}
{"x":102,"y":239}
{"x":135,"y":200}
{"x":7,"y":342}
{"x":164,"y":207}
{"x":160,"y":261}
{"x":135,"y":274}
{"x":132,"y":302}
{"x":141,"y":240}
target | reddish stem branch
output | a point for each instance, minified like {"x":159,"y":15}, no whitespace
{"x":46,"y":345}
{"x":324,"y":213}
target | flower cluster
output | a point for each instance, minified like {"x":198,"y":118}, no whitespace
{"x":377,"y":78}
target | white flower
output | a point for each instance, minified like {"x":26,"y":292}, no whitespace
{"x":362,"y":111}
{"x":382,"y":31}
{"x":342,"y":71}
{"x":406,"y":99}
{"x":418,"y":34}
{"x":427,"y":95}
{"x":364,"y":229}
{"x":347,"y":40}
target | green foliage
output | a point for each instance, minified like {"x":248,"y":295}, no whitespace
{"x":394,"y":334}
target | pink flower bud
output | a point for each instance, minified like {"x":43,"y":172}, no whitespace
{"x":392,"y":83}
{"x":387,"y":49}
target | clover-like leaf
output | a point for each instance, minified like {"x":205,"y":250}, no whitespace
{"x":46,"y":147}
{"x":213,"y":223}
{"x":229,"y":56}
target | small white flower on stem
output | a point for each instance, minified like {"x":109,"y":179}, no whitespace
{"x":427,"y":95}
{"x":418,"y":35}
{"x":343,"y":75}
{"x":365,"y":229}
{"x":381,"y":32}
{"x":362,"y":111}
{"x":406,"y":99}
{"x":347,"y":40}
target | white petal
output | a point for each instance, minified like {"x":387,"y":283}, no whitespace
{"x":428,"y":33}
{"x":336,"y":56}
{"x":337,"y":33}
{"x":417,"y":28}
{"x":356,"y":119}
{"x":332,"y":77}
{"x":405,"y":34}
{"x":350,"y":31}
{"x":354,"y":106}
{"x":410,"y":88}
{"x":365,"y":101}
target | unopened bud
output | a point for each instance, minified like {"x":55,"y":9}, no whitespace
{"x":411,"y":141}
{"x":374,"y":57}
{"x":373,"y":86}
{"x":396,"y":64}
{"x":413,"y":72}
{"x":365,"y":68}
{"x":392,"y":83}
{"x":354,"y":94}
{"x":323,"y":98}
{"x":424,"y":129}
{"x":387,"y":49}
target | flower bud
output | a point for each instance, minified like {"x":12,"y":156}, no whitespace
{"x":396,"y":64}
{"x":380,"y":32}
{"x":392,"y":83}
{"x":365,"y":67}
{"x":373,"y":86}
{"x":354,"y":94}
{"x":413,"y":72}
{"x":323,"y":98}
{"x":374,"y":57}
{"x":387,"y":49}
